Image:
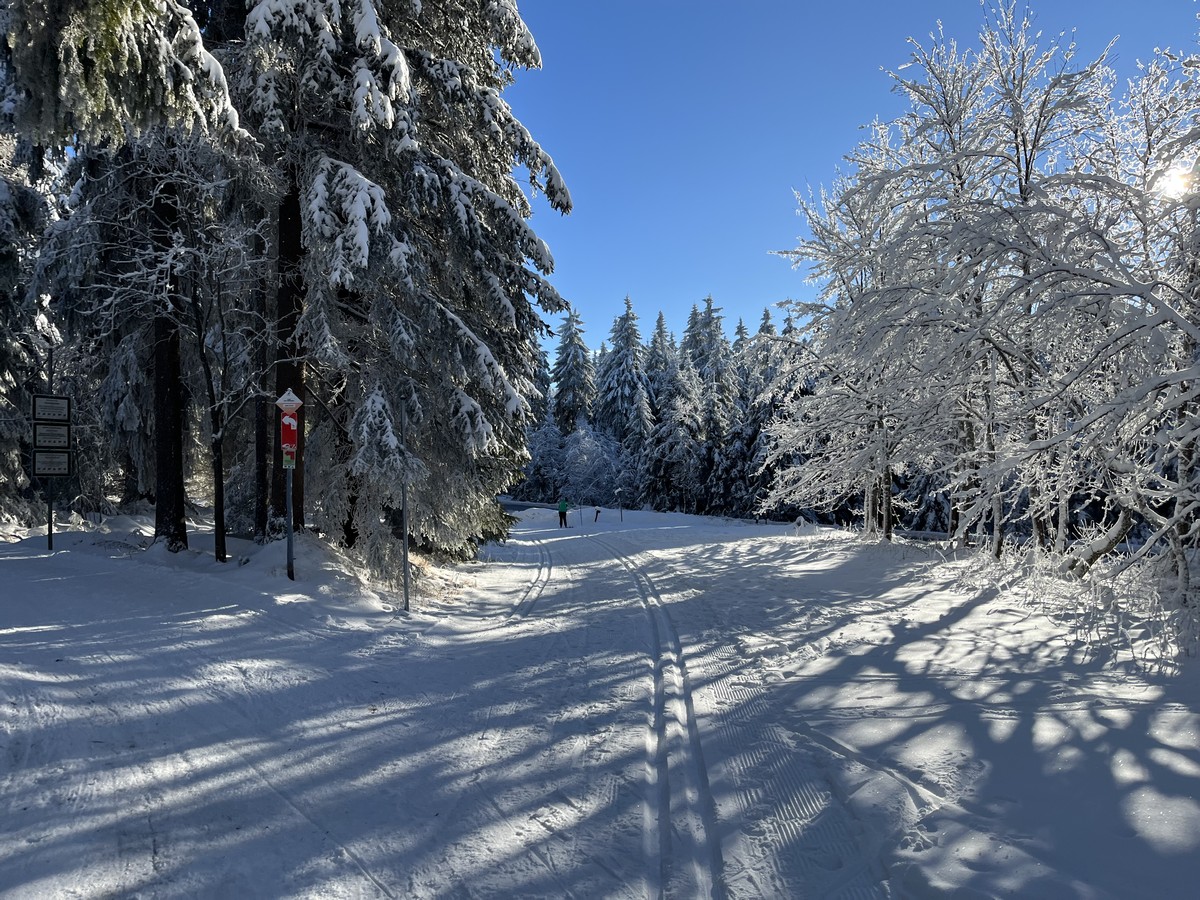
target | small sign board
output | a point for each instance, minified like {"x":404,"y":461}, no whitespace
{"x":52,"y":463}
{"x":289,"y":430}
{"x":51,"y":408}
{"x":51,"y":436}
{"x":289,"y":402}
{"x":289,"y":427}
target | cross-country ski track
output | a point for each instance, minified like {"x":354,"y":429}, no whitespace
{"x":639,"y":706}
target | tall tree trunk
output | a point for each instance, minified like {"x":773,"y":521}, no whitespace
{"x":170,"y":498}
{"x":216,"y":421}
{"x":220,"y":551}
{"x":289,"y":364}
{"x":885,"y":506}
{"x":262,"y":409}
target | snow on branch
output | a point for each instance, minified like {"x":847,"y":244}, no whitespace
{"x":467,"y":194}
{"x":487,"y":367}
{"x":377,"y":448}
{"x":511,"y":35}
{"x":97,"y":70}
{"x":344,"y":208}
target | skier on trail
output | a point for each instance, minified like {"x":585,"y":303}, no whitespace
{"x":562,"y":513}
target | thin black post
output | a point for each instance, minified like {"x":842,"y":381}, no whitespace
{"x":50,"y":481}
{"x":287,"y":490}
{"x":404,"y":502}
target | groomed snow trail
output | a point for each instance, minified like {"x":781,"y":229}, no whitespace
{"x":644,"y":706}
{"x":804,"y":841}
{"x":681,"y":837}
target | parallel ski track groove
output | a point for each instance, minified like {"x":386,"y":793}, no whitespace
{"x":541,"y":578}
{"x":668,"y":652}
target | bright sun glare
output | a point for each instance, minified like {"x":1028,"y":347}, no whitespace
{"x":1176,"y":182}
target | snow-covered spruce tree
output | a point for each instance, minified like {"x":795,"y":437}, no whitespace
{"x":675,"y":453}
{"x":661,"y":363}
{"x":706,"y":346}
{"x":89,"y":70}
{"x":539,"y":401}
{"x":739,"y":479}
{"x":407,"y":267}
{"x":574,"y":376}
{"x":622,"y":401}
{"x":23,"y":215}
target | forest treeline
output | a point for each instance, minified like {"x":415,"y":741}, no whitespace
{"x":660,"y":423}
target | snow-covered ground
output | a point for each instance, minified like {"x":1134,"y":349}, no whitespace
{"x":639,"y":706}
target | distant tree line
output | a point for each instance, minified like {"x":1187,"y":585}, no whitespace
{"x":661,"y":423}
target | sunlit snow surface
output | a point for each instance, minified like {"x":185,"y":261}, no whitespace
{"x":637,"y":706}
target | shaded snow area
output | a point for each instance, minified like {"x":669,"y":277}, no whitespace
{"x":641,"y":706}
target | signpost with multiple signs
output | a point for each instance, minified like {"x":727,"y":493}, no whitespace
{"x":52,"y":455}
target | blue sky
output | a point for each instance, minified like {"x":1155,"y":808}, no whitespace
{"x":683,"y":128}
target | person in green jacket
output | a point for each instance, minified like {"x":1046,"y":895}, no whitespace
{"x":562,"y":513}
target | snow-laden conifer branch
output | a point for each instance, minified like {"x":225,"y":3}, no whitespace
{"x":344,"y":210}
{"x":117,"y":67}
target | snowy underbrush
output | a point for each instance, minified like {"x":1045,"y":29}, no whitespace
{"x":1125,"y":615}
{"x":322,"y":570}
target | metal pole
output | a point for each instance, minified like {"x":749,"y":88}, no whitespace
{"x":287,"y":489}
{"x":404,"y":504}
{"x":50,"y":481}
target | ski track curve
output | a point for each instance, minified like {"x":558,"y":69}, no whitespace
{"x":541,"y":578}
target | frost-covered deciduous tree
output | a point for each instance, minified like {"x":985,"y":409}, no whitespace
{"x":1008,"y":318}
{"x":591,"y":467}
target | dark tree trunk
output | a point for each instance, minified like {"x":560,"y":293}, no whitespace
{"x":262,"y":413}
{"x":169,"y":507}
{"x":220,"y":551}
{"x":170,"y":522}
{"x":289,"y":365}
{"x":216,"y":420}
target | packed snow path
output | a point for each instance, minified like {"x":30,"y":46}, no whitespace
{"x":640,"y":706}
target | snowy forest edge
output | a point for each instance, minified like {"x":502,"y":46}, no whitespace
{"x":1003,"y":352}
